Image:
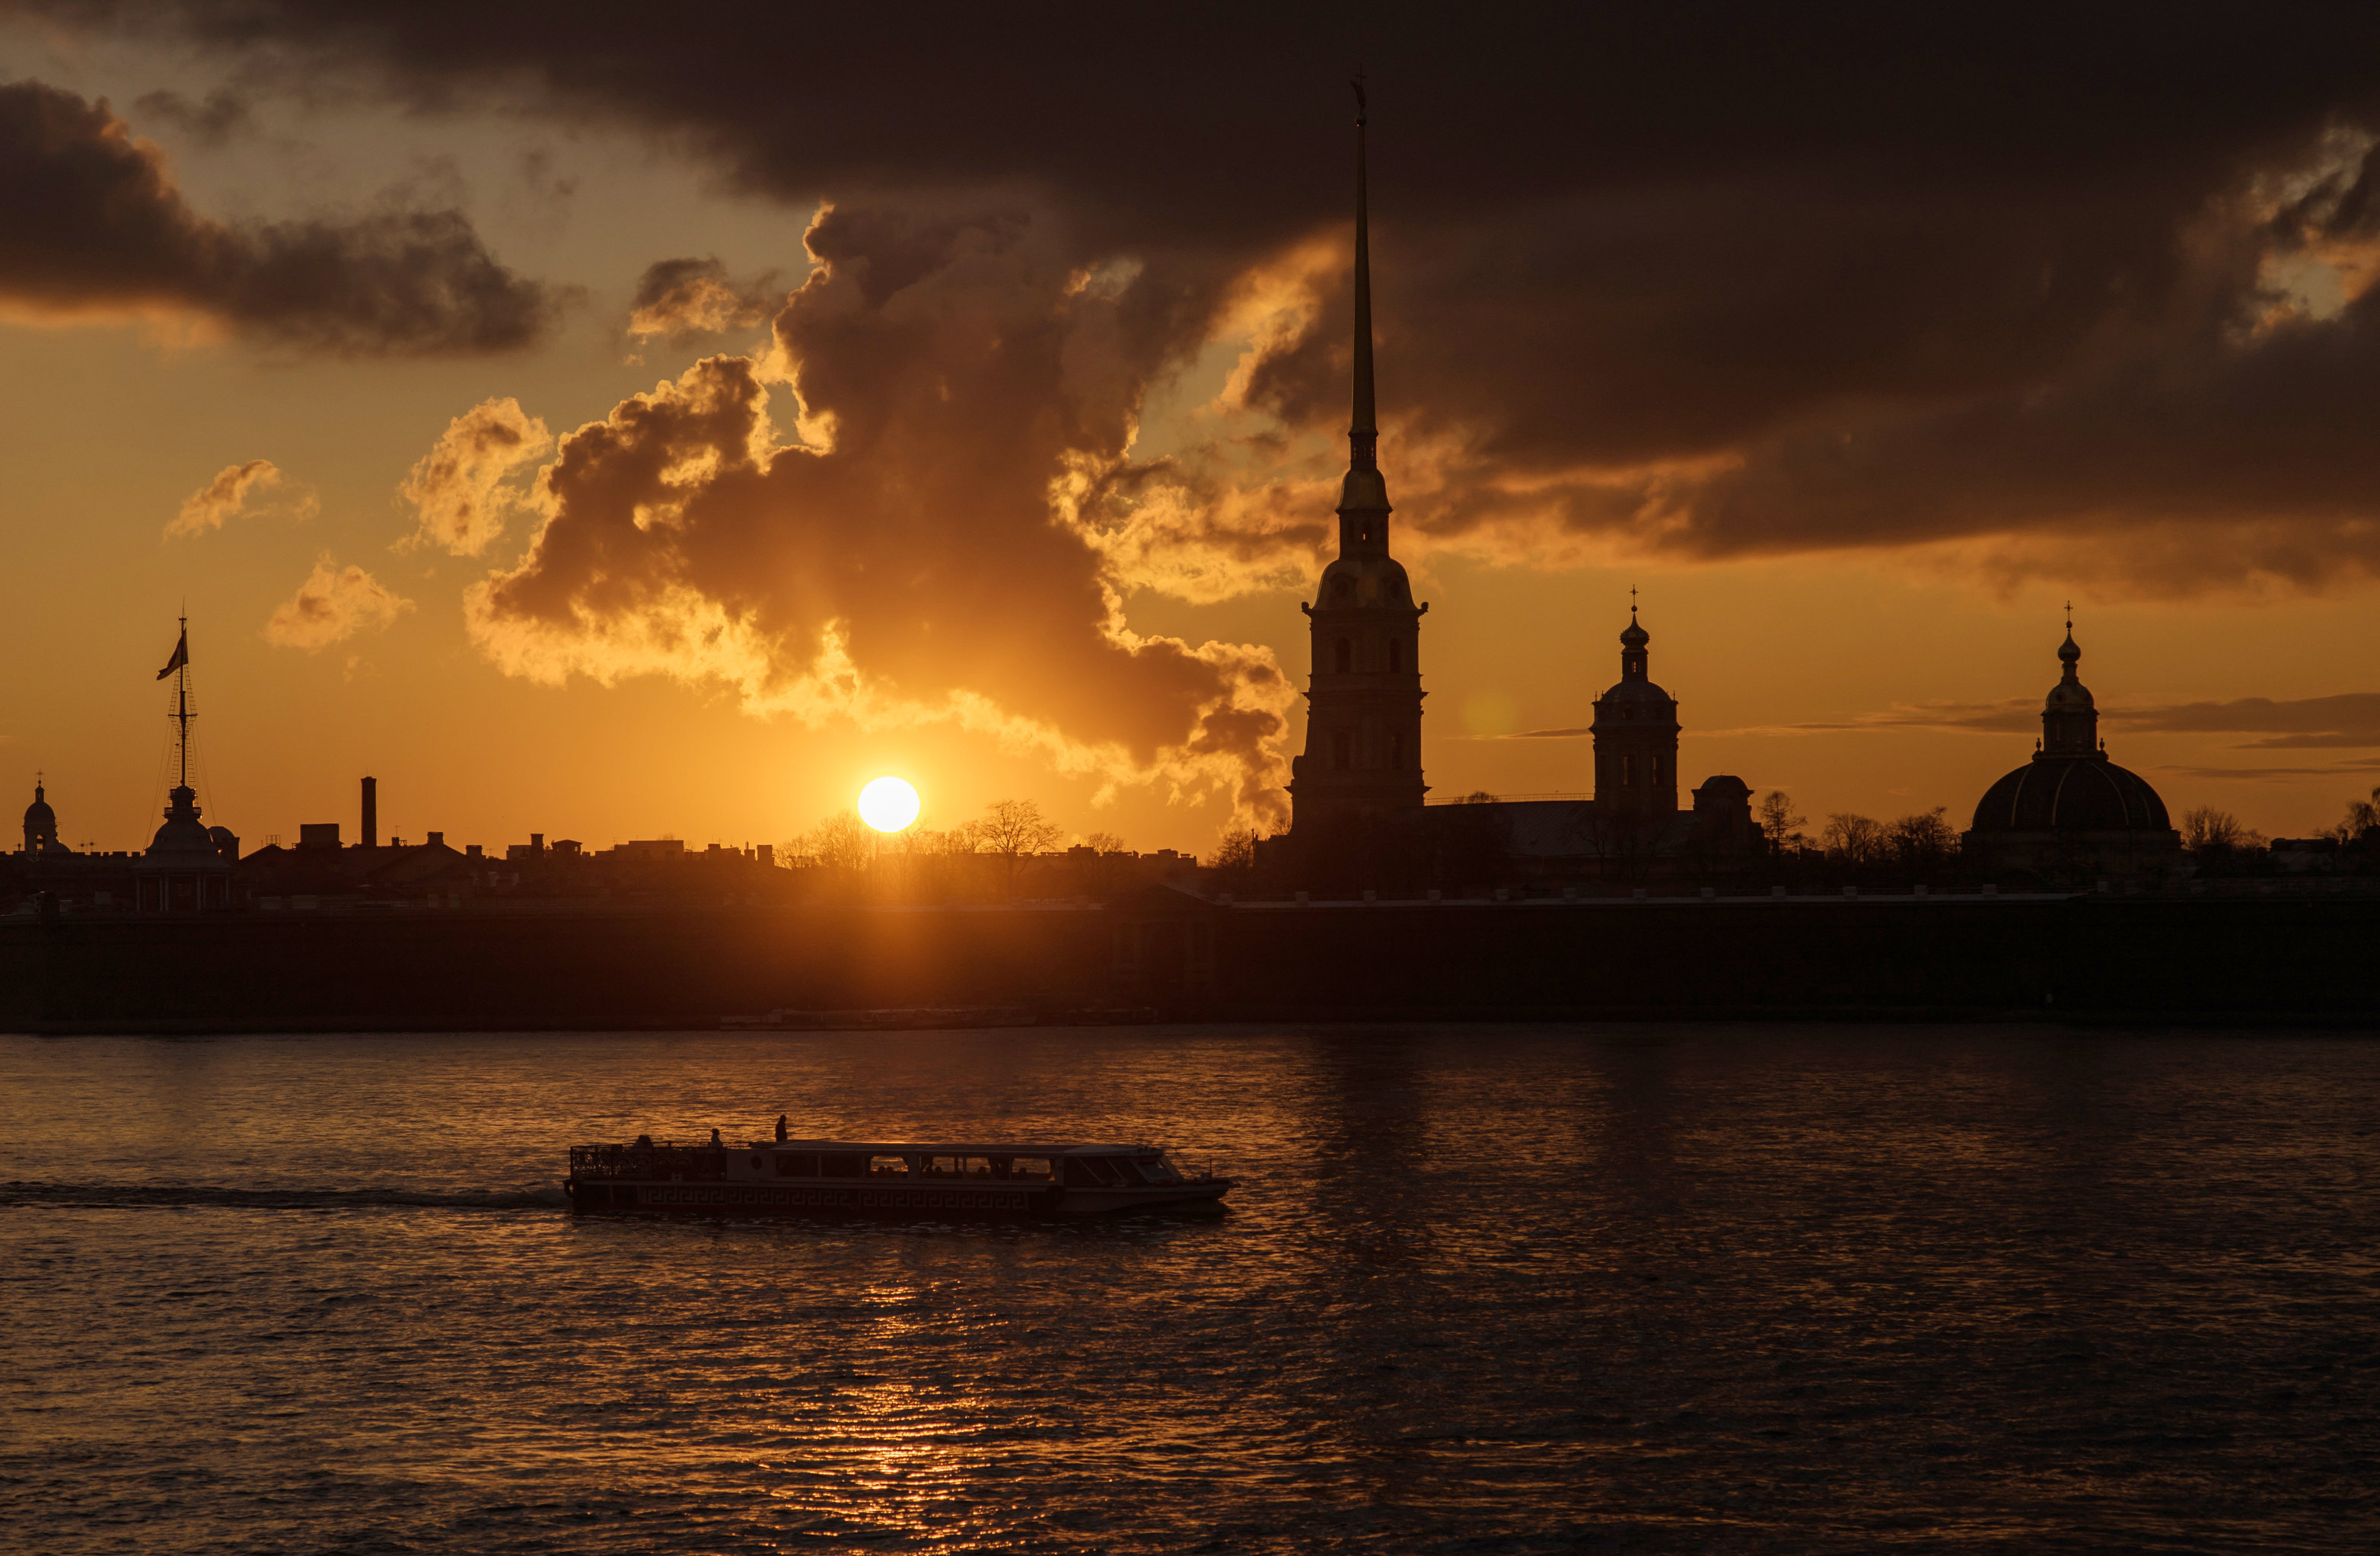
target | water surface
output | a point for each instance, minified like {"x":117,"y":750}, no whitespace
{"x":1671,"y":1288}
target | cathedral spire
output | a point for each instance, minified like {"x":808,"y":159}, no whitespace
{"x":1363,"y":498}
{"x":1364,"y":434}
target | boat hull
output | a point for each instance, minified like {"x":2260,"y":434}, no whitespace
{"x":924,"y":1201}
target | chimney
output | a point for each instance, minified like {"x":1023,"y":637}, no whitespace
{"x":536,"y":843}
{"x":371,"y":812}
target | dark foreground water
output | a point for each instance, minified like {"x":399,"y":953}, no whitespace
{"x":1493,"y":1289}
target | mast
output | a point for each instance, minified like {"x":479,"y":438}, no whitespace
{"x":182,"y":712}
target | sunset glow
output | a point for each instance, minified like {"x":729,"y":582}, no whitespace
{"x":889,"y":805}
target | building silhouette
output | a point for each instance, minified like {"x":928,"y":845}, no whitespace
{"x":2071,"y":814}
{"x":1636,"y":736}
{"x":1363,"y":718}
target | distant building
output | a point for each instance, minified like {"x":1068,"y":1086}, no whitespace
{"x":1632,"y":828}
{"x":2071,"y":815}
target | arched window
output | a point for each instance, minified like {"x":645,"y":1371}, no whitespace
{"x":1341,"y":748}
{"x":1627,"y":770}
{"x":1343,"y":658}
{"x":1396,"y":657}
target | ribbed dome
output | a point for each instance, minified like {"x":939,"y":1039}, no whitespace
{"x":2072,"y":793}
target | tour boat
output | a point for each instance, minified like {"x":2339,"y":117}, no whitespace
{"x":828,"y":1177}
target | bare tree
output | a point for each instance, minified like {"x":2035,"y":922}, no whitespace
{"x":1235,"y":856}
{"x":841,"y":842}
{"x":1013,"y":830}
{"x":2207,"y":829}
{"x":1103,"y":843}
{"x":2362,"y":821}
{"x":1778,"y":823}
{"x":1923,"y":842}
{"x":1853,"y":839}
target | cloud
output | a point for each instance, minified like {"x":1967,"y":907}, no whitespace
{"x":462,"y":491}
{"x":680,"y":299}
{"x":1703,"y":282}
{"x":2349,"y":721}
{"x":213,"y":122}
{"x":2343,"y":771}
{"x":231,"y":493}
{"x":332,"y":605}
{"x":96,"y":227}
{"x":911,"y":560}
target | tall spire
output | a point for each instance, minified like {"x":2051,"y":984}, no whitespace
{"x":1363,"y":497}
{"x":1363,"y":435}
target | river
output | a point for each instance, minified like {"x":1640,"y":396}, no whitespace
{"x":1480,"y":1289}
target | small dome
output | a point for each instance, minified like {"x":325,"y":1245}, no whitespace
{"x":2072,"y":793}
{"x":39,"y":815}
{"x":2069,"y":652}
{"x":1633,"y":636}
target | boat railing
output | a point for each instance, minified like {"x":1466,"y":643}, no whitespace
{"x":658,"y":1163}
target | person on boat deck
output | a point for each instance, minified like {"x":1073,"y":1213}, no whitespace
{"x":715,"y":1138}
{"x":781,"y":1126}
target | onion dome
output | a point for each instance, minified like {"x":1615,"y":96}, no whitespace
{"x":1633,"y":636}
{"x":39,"y":816}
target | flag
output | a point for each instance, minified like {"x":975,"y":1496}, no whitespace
{"x":181,"y":655}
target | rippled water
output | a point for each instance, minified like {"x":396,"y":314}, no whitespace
{"x":1482,"y":1289}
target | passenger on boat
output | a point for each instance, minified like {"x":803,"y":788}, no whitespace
{"x":645,"y":1140}
{"x":715,"y":1139}
{"x":781,"y":1126}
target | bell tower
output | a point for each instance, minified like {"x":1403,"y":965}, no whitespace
{"x":1636,"y":736}
{"x":1363,"y":701}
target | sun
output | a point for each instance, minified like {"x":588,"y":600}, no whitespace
{"x":888,"y":804}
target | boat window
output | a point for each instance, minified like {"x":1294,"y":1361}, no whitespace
{"x":1124,"y":1169}
{"x":1157,"y":1170}
{"x":888,"y":1166}
{"x":1035,"y":1168}
{"x":843,"y":1165}
{"x":1082,"y":1171}
{"x":975,"y":1167}
{"x":942,"y":1166}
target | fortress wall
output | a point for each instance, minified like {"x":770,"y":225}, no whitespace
{"x":2219,"y":960}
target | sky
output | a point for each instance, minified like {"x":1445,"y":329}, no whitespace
{"x":627,"y":428}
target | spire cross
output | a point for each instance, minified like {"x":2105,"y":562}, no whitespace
{"x":1632,"y":602}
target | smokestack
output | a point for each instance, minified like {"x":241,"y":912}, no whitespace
{"x":371,"y":812}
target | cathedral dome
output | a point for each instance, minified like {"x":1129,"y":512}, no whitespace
{"x":2072,"y":793}
{"x":39,"y":816}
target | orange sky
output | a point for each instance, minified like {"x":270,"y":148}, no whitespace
{"x":113,"y":418}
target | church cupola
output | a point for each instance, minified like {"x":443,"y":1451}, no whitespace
{"x":41,"y":825}
{"x":2070,"y":720}
{"x":1636,"y":736}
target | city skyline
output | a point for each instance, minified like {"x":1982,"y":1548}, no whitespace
{"x":335,"y":469}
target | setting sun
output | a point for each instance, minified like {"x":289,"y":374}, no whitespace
{"x":888,"y":804}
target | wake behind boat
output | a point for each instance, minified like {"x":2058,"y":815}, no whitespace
{"x":812,"y":1177}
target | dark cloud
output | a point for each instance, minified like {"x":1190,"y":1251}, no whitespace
{"x":684,"y":300}
{"x":92,"y":223}
{"x":2086,"y":290}
{"x":211,"y":122}
{"x":903,"y":564}
{"x":2349,"y":721}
